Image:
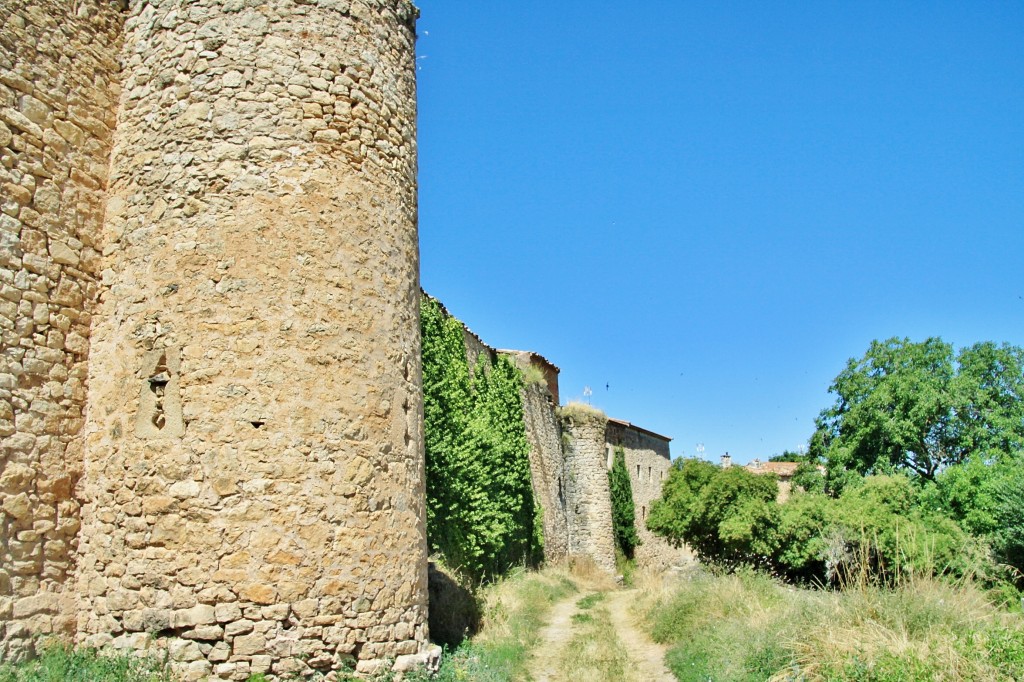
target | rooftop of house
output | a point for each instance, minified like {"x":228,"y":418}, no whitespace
{"x":532,"y":355}
{"x":782,"y":469}
{"x":648,"y":432}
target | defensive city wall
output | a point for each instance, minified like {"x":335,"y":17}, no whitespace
{"x":571,"y":451}
{"x":210,"y":400}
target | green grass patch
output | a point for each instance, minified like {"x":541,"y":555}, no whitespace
{"x":60,"y":663}
{"x":588,"y":601}
{"x":595,"y":652}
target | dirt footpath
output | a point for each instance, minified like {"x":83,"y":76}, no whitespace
{"x":647,"y":658}
{"x":553,"y":639}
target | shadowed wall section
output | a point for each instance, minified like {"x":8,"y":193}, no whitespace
{"x":58,"y":97}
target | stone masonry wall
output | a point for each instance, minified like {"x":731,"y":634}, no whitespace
{"x":58,"y":94}
{"x":547,"y":468}
{"x":254,"y":488}
{"x":587,"y":494}
{"x":648,"y":462}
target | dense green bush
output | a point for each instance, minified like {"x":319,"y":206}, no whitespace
{"x":480,"y":507}
{"x":728,"y":516}
{"x":623,"y":511}
{"x":985,"y":494}
{"x":877,"y":529}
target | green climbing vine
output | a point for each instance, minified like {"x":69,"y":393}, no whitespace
{"x":623,"y":511}
{"x":480,"y":509}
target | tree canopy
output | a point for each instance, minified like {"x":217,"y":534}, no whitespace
{"x":877,"y":527}
{"x":920,"y":407}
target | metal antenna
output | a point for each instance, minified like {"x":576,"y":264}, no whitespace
{"x":700,"y":450}
{"x":587,"y":393}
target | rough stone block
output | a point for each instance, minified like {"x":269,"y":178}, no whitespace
{"x":249,"y":645}
{"x":227,"y":612}
{"x":200,"y":614}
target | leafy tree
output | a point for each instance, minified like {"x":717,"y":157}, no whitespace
{"x":789,"y":456}
{"x":809,"y":478}
{"x":989,"y":392}
{"x":916,"y":407}
{"x":623,"y":510}
{"x":671,"y":516}
{"x":985,"y":495}
{"x":727,"y":516}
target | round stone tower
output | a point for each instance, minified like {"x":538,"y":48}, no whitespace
{"x":253,"y":484}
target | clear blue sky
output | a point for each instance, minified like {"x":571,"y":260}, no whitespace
{"x":709,"y":207}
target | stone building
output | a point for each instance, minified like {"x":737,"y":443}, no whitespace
{"x":648,"y":462}
{"x":783,"y":471}
{"x":571,"y":449}
{"x":209,"y":396}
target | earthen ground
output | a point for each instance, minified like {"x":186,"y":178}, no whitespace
{"x":647,"y":657}
{"x":554,"y":637}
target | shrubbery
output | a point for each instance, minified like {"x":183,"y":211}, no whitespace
{"x":924,"y":454}
{"x":876,"y":527}
{"x":623,"y":510}
{"x":480,"y":509}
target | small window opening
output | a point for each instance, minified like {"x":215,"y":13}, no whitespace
{"x":158,"y":385}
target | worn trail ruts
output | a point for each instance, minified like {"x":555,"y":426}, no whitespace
{"x":553,"y":638}
{"x":647,"y":656}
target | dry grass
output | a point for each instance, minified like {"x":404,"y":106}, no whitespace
{"x":595,"y":652}
{"x":588,"y":574}
{"x":515,"y":608}
{"x":748,"y":627}
{"x":534,"y":375}
{"x":575,"y":409}
{"x":927,"y":624}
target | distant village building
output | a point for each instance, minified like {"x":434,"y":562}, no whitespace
{"x":783,"y":470}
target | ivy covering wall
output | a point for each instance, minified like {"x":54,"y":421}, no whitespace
{"x":480,"y":508}
{"x":623,"y":510}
